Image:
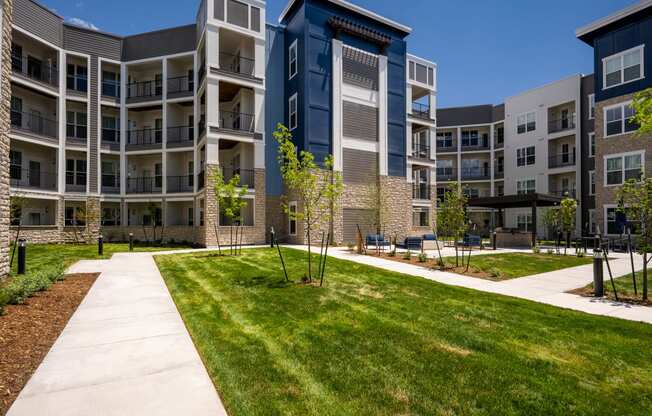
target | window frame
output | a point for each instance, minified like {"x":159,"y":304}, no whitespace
{"x":527,"y":130}
{"x":623,"y":120}
{"x":529,"y":225}
{"x":591,"y":99}
{"x":525,"y":181}
{"x":295,"y":206}
{"x":525,"y":157}
{"x":623,"y":170}
{"x":592,"y":145}
{"x":621,"y":56}
{"x":592,"y":186}
{"x":294,"y":98}
{"x":294,"y":46}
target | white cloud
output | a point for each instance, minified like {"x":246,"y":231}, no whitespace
{"x":82,"y":23}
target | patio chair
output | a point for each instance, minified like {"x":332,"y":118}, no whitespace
{"x":411,"y":243}
{"x":471,"y":241}
{"x":377,"y":241}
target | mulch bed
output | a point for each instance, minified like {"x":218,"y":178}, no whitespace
{"x":587,"y":292}
{"x":28,"y":331}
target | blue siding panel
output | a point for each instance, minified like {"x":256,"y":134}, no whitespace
{"x":275,"y":109}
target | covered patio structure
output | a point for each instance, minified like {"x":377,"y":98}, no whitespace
{"x":532,"y":200}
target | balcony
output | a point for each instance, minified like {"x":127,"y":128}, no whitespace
{"x":35,"y":70}
{"x":180,"y":136}
{"x":201,"y":180}
{"x":180,"y":184}
{"x":202,"y":126}
{"x":236,"y":64}
{"x":563,"y":124}
{"x":475,"y":174}
{"x":144,"y":139}
{"x":110,"y":183}
{"x":474,"y":144}
{"x":111,"y":137}
{"x":500,"y":173}
{"x":561,"y":160}
{"x":33,"y":124}
{"x":446,"y":174}
{"x":178,"y":87}
{"x":421,"y":111}
{"x":32,"y":179}
{"x":246,"y":176}
{"x":239,"y":122}
{"x":145,"y":185}
{"x":111,"y":89}
{"x":144,"y":91}
{"x":563,"y":193}
{"x":420,"y":151}
{"x":421,"y":191}
{"x":75,"y":181}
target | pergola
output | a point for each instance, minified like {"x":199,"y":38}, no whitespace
{"x":533,"y":201}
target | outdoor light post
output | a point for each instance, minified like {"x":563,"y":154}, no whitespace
{"x":100,"y":245}
{"x":131,"y":241}
{"x":22,"y":253}
{"x":598,"y":274}
{"x":272,"y":234}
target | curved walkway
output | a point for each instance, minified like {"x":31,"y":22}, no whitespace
{"x":125,"y":351}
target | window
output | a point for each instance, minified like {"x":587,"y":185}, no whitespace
{"x":614,"y":221}
{"x":237,"y":13}
{"x":191,"y":216}
{"x":74,"y":217}
{"x":592,"y":225}
{"x":110,"y":129}
{"x":293,"y":59}
{"x":526,"y":186}
{"x":110,"y":216}
{"x":16,"y":165}
{"x":526,"y":156}
{"x":591,"y":144}
{"x":472,"y":193}
{"x":75,"y":172}
{"x":110,"y":84}
{"x":76,"y":123}
{"x":621,"y":168}
{"x":470,"y":138}
{"x":622,"y":68}
{"x":255,"y":19}
{"x":618,"y":119}
{"x":526,"y":123}
{"x":76,"y":78}
{"x":445,"y":139}
{"x":592,"y":182}
{"x":420,"y":217}
{"x":591,"y":106}
{"x":500,"y":135}
{"x":293,"y":118}
{"x":292,"y":225}
{"x":524,"y":222}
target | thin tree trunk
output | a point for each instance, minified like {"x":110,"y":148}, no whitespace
{"x":323,"y":269}
{"x":645,"y":287}
{"x":309,"y":258}
{"x":13,"y":251}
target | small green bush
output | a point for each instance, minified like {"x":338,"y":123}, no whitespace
{"x":21,"y":287}
{"x":496,"y":273}
{"x":407,"y":255}
{"x":580,"y":254}
{"x":392,"y":253}
{"x":350,"y":246}
{"x":551,"y":251}
{"x":536,"y":250}
{"x":422,"y":257}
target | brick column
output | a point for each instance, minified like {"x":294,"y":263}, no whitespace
{"x":5,"y":141}
{"x":94,"y":214}
{"x":211,"y":209}
{"x":396,"y":195}
{"x":260,"y":209}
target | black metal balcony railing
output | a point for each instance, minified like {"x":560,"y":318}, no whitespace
{"x":111,"y":89}
{"x":145,"y":137}
{"x":478,"y":143}
{"x":111,"y":135}
{"x":202,"y":126}
{"x":499,"y":173}
{"x":561,"y":160}
{"x":34,"y":124}
{"x":237,"y":64}
{"x":420,"y":150}
{"x":475,"y":174}
{"x":446,"y":174}
{"x":144,"y":89}
{"x":246,"y":176}
{"x":446,"y":145}
{"x":421,"y":111}
{"x":145,"y":185}
{"x":180,"y":184}
{"x":237,"y":121}
{"x":561,"y":124}
{"x":421,"y":191}
{"x":570,"y":193}
{"x":110,"y":183}
{"x":32,"y":178}
{"x":35,"y":70}
{"x":201,"y":180}
{"x":178,"y":85}
{"x":180,"y":136}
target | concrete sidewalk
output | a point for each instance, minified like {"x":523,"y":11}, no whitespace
{"x":125,"y":351}
{"x":549,"y":288}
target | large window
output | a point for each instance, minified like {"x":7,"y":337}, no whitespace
{"x":237,"y":13}
{"x":420,"y":217}
{"x":526,"y":123}
{"x":622,"y":68}
{"x":292,"y":221}
{"x":620,"y":168}
{"x":76,"y":78}
{"x":524,"y":222}
{"x":444,"y":139}
{"x":591,"y":144}
{"x":526,"y":156}
{"x":76,"y":172}
{"x":592,"y":225}
{"x":470,"y":138}
{"x":591,"y":106}
{"x":76,"y":123}
{"x":526,"y":186}
{"x":592,"y":182}
{"x":618,"y":119}
{"x":293,"y":59}
{"x":293,"y":119}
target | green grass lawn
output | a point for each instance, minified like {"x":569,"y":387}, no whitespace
{"x":512,"y":265}
{"x":374,"y":342}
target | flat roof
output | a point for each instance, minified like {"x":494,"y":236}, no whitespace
{"x":357,"y":9}
{"x":515,"y":201}
{"x":584,"y":32}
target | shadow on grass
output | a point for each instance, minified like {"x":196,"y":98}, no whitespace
{"x":263,"y":281}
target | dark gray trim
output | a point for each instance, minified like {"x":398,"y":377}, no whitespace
{"x":38,"y":20}
{"x":464,"y":116}
{"x":235,"y":75}
{"x":159,"y":43}
{"x":359,"y":166}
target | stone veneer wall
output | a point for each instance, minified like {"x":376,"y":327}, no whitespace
{"x":275,"y":217}
{"x":614,"y":145}
{"x":177,"y":233}
{"x":5,"y":94}
{"x":396,"y":216}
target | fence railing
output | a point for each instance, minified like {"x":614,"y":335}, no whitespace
{"x":421,"y":191}
{"x":237,"y":121}
{"x":110,"y":183}
{"x":111,"y":135}
{"x":237,"y":64}
{"x":111,"y":89}
{"x":420,"y":150}
{"x":561,"y":160}
{"x":180,"y":184}
{"x":35,"y":124}
{"x":421,"y":111}
{"x":475,"y":174}
{"x":35,"y":70}
{"x":180,"y":85}
{"x":446,"y":174}
{"x":180,"y":135}
{"x":144,"y":137}
{"x":145,"y":185}
{"x":32,"y":178}
{"x":144,"y":89}
{"x":246,"y":176}
{"x":561,"y":124}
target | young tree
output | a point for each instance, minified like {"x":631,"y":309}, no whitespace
{"x":230,"y":200}
{"x":567,"y":217}
{"x":451,"y":216}
{"x":317,"y":190}
{"x":636,"y":203}
{"x":18,"y":205}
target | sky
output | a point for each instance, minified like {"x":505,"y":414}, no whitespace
{"x":485,"y":50}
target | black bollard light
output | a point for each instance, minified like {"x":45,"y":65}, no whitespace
{"x":22,"y":255}
{"x":100,"y":246}
{"x":598,"y":273}
{"x":494,"y":237}
{"x":272,"y":235}
{"x":131,"y":241}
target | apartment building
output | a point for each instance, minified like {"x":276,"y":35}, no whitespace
{"x":124,"y":132}
{"x":537,"y":142}
{"x":621,"y":62}
{"x":350,"y":89}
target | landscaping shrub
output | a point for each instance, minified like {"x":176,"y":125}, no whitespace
{"x":407,"y":255}
{"x":551,"y":251}
{"x":536,"y":250}
{"x":580,"y":254}
{"x":422,"y":258}
{"x":23,"y":286}
{"x":392,"y":253}
{"x":496,"y":273}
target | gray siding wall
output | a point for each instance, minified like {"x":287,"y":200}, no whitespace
{"x":359,"y":166}
{"x":352,"y":219}
{"x":92,"y":43}
{"x":163,"y":42}
{"x":360,"y":121}
{"x":39,"y":21}
{"x":359,"y":69}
